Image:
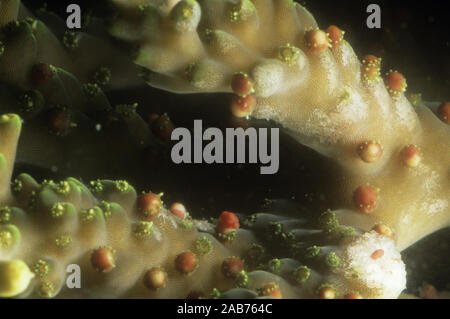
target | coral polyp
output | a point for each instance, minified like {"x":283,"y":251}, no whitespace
{"x":241,"y":84}
{"x":103,"y":259}
{"x":411,"y":156}
{"x":444,"y":112}
{"x":365,"y":198}
{"x":40,"y":74}
{"x":155,"y":278}
{"x":242,"y":106}
{"x":150,"y":205}
{"x":227,"y":222}
{"x":179,"y":210}
{"x":370,"y":151}
{"x":384,"y":230}
{"x":336,"y":35}
{"x":395,"y":83}
{"x":371,"y":60}
{"x":327,"y":292}
{"x":317,"y":41}
{"x":232,"y":266}
{"x":186,"y":263}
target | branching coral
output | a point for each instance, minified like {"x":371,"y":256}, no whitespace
{"x":391,"y":181}
{"x":132,"y":246}
{"x":392,"y":158}
{"x":58,"y":85}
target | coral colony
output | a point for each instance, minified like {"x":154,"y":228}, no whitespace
{"x":391,"y":182}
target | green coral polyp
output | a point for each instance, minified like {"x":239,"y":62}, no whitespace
{"x":89,"y":215}
{"x":63,"y":241}
{"x":328,"y":221}
{"x":48,"y":182}
{"x":6,"y":238}
{"x":215,"y":294}
{"x":274,"y":265}
{"x":60,"y":210}
{"x":70,"y":40}
{"x":204,"y":246}
{"x":268,"y":289}
{"x":92,"y":89}
{"x":106,"y":209}
{"x":32,"y":201}
{"x":9,"y":236}
{"x":184,"y":11}
{"x":96,"y":186}
{"x":126,"y":110}
{"x":276,"y":232}
{"x":41,"y":268}
{"x":288,"y":53}
{"x":102,"y":76}
{"x":346,"y":231}
{"x":208,"y":35}
{"x":301,"y":274}
{"x":312,"y":251}
{"x":143,"y":229}
{"x":333,"y":260}
{"x":241,"y":11}
{"x":186,"y":223}
{"x":185,"y":15}
{"x":5,"y":215}
{"x":31,"y":101}
{"x":242,"y":280}
{"x":46,"y":289}
{"x":17,"y":186}
{"x":227,"y":237}
{"x":275,"y":228}
{"x":63,"y":188}
{"x":251,"y":219}
{"x":235,"y":14}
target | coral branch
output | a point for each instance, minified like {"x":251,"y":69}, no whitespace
{"x":312,"y":83}
{"x":134,"y":246}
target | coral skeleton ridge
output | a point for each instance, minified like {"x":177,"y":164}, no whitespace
{"x":390,"y":188}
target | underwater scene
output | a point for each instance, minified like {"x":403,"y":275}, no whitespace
{"x":224,"y":149}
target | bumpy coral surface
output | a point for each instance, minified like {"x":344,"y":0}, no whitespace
{"x":132,"y":246}
{"x":390,"y":187}
{"x":392,"y":158}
